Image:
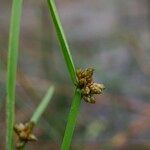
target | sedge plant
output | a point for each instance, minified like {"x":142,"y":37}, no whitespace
{"x":70,"y":65}
{"x":24,"y":131}
{"x":82,"y":79}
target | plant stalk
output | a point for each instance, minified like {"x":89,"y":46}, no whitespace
{"x":42,"y":106}
{"x":71,"y":121}
{"x":62,"y":40}
{"x":40,"y":109}
{"x":70,"y":65}
{"x":11,"y":70}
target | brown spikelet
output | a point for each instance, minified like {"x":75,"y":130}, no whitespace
{"x":87,"y":86}
{"x":24,"y":133}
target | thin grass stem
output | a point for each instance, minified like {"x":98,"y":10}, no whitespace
{"x":62,"y":40}
{"x":11,"y":70}
{"x":40,"y":109}
{"x":71,"y":121}
{"x":68,"y":58}
{"x":42,"y":106}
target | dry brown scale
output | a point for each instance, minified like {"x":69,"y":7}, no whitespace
{"x":87,"y":86}
{"x":24,"y":133}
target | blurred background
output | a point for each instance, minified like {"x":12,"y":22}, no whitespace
{"x":113,"y":36}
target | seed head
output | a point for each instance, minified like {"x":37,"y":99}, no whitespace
{"x":89,"y":99}
{"x":87,"y":86}
{"x":24,"y":133}
{"x":96,"y":88}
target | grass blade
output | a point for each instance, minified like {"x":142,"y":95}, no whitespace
{"x":42,"y":106}
{"x":12,"y":67}
{"x":62,"y":40}
{"x":68,"y":58}
{"x":71,"y":121}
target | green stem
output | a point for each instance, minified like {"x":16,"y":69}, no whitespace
{"x":68,"y":58}
{"x":71,"y":121}
{"x":42,"y":106}
{"x":12,"y":68}
{"x":62,"y":40}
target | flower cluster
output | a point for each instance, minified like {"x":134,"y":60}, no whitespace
{"x":87,"y":86}
{"x":24,"y":133}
